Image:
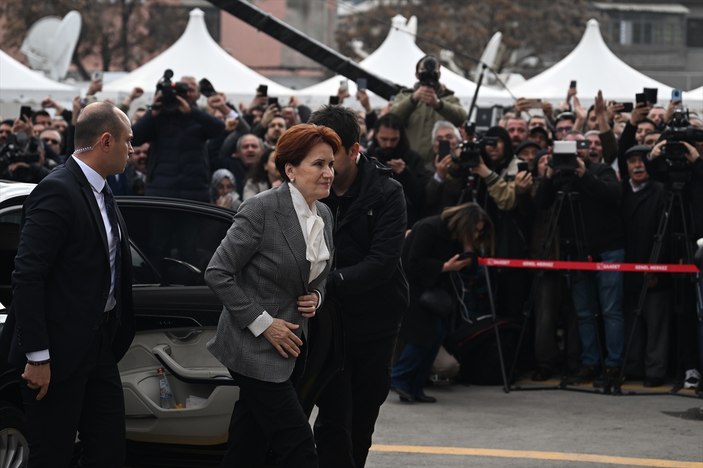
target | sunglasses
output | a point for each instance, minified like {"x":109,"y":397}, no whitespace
{"x":51,"y":140}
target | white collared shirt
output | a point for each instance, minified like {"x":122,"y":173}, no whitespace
{"x":97,"y":183}
{"x":316,"y":251}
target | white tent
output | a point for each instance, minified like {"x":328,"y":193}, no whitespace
{"x":197,"y":54}
{"x":695,"y":95}
{"x":395,"y":60}
{"x":595,"y":67}
{"x":19,"y":84}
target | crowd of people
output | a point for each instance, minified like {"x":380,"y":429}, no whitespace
{"x":414,"y":181}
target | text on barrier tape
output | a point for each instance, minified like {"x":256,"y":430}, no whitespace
{"x":591,"y":266}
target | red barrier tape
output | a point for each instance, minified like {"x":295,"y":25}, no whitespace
{"x":589,"y":266}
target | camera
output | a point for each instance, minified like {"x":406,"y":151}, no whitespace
{"x":169,"y":91}
{"x":563,"y":161}
{"x":428,"y":75}
{"x":471,"y":154}
{"x":677,"y":131}
{"x":19,"y":148}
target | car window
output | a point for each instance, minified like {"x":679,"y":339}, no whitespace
{"x":177,"y":243}
{"x":9,"y":239}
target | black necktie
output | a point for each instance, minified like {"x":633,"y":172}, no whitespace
{"x":111,"y":210}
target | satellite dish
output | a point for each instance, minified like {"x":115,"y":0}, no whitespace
{"x":491,"y":54}
{"x":357,"y":46}
{"x":447,"y":58}
{"x":50,"y":43}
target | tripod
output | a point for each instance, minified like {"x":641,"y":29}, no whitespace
{"x":573,"y":247}
{"x":674,"y":204}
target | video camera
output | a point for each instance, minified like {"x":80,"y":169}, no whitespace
{"x":19,"y":148}
{"x":471,"y":154}
{"x":677,"y":131}
{"x":169,"y":91}
{"x":429,"y":74}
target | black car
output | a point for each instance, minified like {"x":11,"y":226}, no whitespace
{"x":172,"y":242}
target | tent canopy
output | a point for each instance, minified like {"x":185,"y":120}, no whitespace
{"x":595,"y":67}
{"x":197,"y":54}
{"x":20,"y":84}
{"x":395,"y":60}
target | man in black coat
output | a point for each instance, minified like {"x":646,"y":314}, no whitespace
{"x":369,"y":287}
{"x":72,"y":307}
{"x":390,"y":146}
{"x":643,"y":204}
{"x":178,"y":162}
{"x":596,"y":193}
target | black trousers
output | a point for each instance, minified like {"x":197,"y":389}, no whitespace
{"x":349,"y":405}
{"x":268,"y":418}
{"x":90,"y":402}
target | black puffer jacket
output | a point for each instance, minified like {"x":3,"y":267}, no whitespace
{"x":177,"y":165}
{"x":367,"y":279}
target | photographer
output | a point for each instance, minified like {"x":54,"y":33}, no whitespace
{"x":644,"y":201}
{"x":676,"y":160}
{"x":177,"y":131}
{"x":427,"y":103}
{"x":594,"y":193}
{"x":506,"y":198}
{"x":390,"y":146}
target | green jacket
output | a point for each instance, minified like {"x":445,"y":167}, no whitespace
{"x":419,"y":118}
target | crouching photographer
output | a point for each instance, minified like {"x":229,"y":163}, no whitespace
{"x":177,"y":132}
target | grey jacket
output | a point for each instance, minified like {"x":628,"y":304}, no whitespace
{"x":260,"y":265}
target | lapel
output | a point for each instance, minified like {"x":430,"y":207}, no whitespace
{"x":89,"y":197}
{"x":290,"y":227}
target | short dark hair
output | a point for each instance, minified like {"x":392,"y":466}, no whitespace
{"x":393,"y":122}
{"x":297,"y":142}
{"x":9,"y":122}
{"x":94,"y":120}
{"x":41,"y":112}
{"x":647,"y":121}
{"x":341,"y":120}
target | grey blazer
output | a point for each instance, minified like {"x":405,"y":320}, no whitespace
{"x":260,"y":265}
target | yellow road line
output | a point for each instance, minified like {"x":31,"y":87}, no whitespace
{"x":554,"y":456}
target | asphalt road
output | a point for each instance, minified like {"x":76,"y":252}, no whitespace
{"x":485,"y":427}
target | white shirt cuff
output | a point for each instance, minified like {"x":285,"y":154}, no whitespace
{"x":42,"y":355}
{"x":260,"y":324}
{"x":438,"y":178}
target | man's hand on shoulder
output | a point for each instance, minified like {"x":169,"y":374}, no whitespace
{"x":38,"y":378}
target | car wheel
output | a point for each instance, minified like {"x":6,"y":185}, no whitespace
{"x":14,"y":449}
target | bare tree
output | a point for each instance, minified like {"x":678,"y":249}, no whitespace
{"x":122,"y":33}
{"x":547,"y":29}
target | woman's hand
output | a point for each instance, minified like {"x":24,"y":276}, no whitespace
{"x":307,"y":305}
{"x":280,"y":335}
{"x":455,"y":263}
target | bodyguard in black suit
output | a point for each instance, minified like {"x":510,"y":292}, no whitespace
{"x":72,"y":300}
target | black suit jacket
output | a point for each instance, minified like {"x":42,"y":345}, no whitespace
{"x":62,"y":274}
